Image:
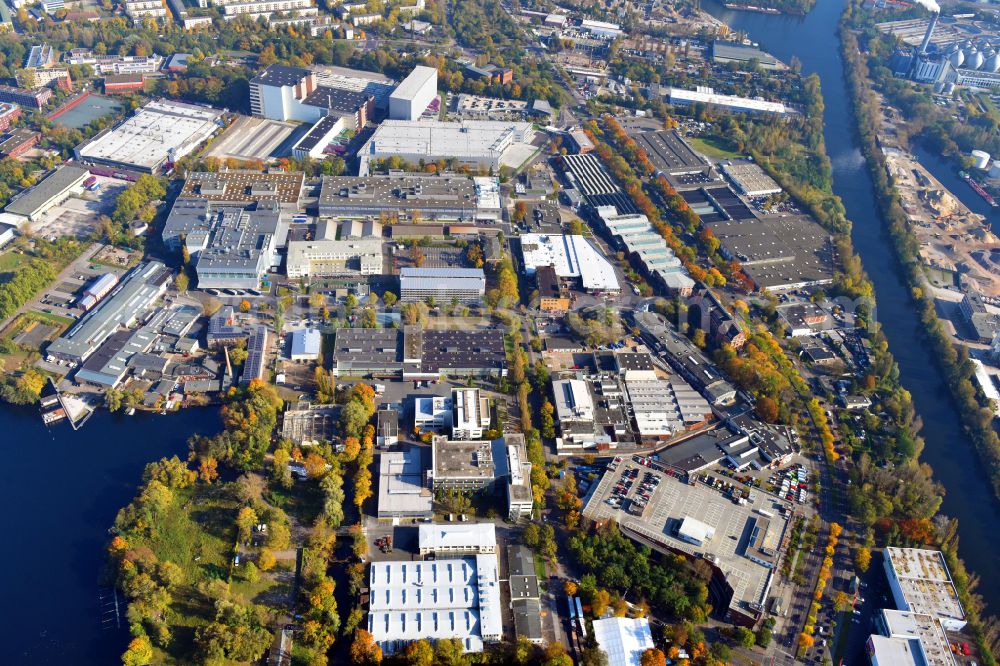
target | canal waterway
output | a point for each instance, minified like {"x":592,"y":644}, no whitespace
{"x":60,"y":491}
{"x":814,"y":41}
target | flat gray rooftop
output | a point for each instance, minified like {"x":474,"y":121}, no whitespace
{"x":672,"y":501}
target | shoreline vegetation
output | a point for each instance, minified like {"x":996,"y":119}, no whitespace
{"x":973,"y":406}
{"x":955,"y":363}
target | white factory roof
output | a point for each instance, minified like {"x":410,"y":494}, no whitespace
{"x":412,"y":84}
{"x":695,"y":530}
{"x":623,"y":639}
{"x":487,"y":192}
{"x":573,"y":401}
{"x":571,"y":257}
{"x":925,"y":582}
{"x":401,"y":484}
{"x":433,"y":138}
{"x":148,"y":137}
{"x":887,"y":651}
{"x":306,"y":342}
{"x":708,"y":96}
{"x":454,"y":598}
{"x":423,"y":585}
{"x":663,"y":407}
{"x":925,"y":628}
{"x":462,"y":536}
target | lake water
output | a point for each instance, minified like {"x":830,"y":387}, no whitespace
{"x":62,"y":490}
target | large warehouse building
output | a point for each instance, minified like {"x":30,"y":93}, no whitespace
{"x":123,"y":307}
{"x":156,"y":135}
{"x":232,"y":247}
{"x":448,"y":597}
{"x":572,"y":258}
{"x":467,"y":285}
{"x":921,"y":583}
{"x":433,"y":197}
{"x":414,"y":94}
{"x":476,"y":143}
{"x":54,"y":188}
{"x":328,"y":257}
{"x":281,"y":92}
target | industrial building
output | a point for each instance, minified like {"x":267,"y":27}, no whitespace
{"x":670,"y":153}
{"x":573,"y":258}
{"x":525,"y":594}
{"x":402,"y":493}
{"x":428,"y":354}
{"x":750,"y":179}
{"x":623,"y":639}
{"x":238,"y":187}
{"x":414,"y":94}
{"x":432,"y":413}
{"x":325,"y":256}
{"x":457,"y":539}
{"x":684,"y":358}
{"x":921,"y":583}
{"x":281,"y":92}
{"x":516,"y":468}
{"x":442,"y":598}
{"x":445,"y":285}
{"x":255,"y":365}
{"x":589,"y":177}
{"x":155,"y":136}
{"x":399,"y":196}
{"x":470,"y":414}
{"x":740,"y":542}
{"x":474,"y":143}
{"x":462,"y":465}
{"x":223,"y":328}
{"x":305,"y":344}
{"x":723,"y":53}
{"x":634,"y":233}
{"x":908,"y":639}
{"x":97,"y":289}
{"x":127,"y":304}
{"x":34,"y":202}
{"x":387,"y":427}
{"x":664,"y":408}
{"x":306,"y":424}
{"x":705,"y":95}
{"x":231,"y":246}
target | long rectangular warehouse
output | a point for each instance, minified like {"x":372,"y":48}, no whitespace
{"x":127,"y":303}
{"x":156,"y":134}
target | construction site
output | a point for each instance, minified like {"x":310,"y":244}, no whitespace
{"x":954,"y":241}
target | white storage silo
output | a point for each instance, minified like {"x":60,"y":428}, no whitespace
{"x":981,"y":159}
{"x":995,"y":169}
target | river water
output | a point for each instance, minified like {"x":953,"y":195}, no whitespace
{"x":62,"y":490}
{"x":813,"y":39}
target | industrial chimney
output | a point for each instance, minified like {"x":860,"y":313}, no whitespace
{"x":930,"y":31}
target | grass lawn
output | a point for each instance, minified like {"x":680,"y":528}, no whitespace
{"x":712,"y":147}
{"x":10,"y":260}
{"x":48,"y":318}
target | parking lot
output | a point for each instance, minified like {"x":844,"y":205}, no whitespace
{"x":256,"y":139}
{"x":79,"y":215}
{"x":651,"y":502}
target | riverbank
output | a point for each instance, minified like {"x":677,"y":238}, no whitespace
{"x":953,"y":363}
{"x":975,"y":411}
